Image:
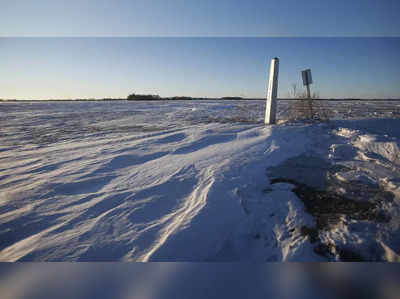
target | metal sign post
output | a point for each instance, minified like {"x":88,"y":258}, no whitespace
{"x":307,"y":80}
{"x":270,"y":109}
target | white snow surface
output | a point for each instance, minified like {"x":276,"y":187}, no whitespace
{"x":176,"y":181}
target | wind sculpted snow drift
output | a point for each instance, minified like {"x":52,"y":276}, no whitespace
{"x":183,"y":181}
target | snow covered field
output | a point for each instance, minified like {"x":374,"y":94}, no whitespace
{"x":197,"y":181}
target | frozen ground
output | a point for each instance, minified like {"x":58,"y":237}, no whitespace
{"x":194,"y":181}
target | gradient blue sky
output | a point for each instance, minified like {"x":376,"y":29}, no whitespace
{"x":217,"y":64}
{"x":199,"y":17}
{"x":42,"y":68}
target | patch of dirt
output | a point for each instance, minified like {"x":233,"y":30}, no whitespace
{"x":311,"y":232}
{"x":330,"y":208}
{"x":345,"y":254}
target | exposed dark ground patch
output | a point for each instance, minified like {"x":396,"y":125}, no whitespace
{"x":316,"y":187}
{"x":327,"y":206}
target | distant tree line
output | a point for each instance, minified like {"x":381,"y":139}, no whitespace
{"x":143,"y":97}
{"x":231,"y":98}
{"x":178,"y":98}
{"x":151,"y":97}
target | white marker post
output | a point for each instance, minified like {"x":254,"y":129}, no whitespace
{"x":270,"y":109}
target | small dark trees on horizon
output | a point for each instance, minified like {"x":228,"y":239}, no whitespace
{"x":143,"y":97}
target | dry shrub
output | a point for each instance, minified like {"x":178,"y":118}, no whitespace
{"x":304,"y":108}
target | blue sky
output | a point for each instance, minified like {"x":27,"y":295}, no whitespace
{"x":199,"y":17}
{"x":216,"y":58}
{"x":42,"y":68}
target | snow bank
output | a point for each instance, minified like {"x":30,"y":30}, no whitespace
{"x":176,"y":181}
